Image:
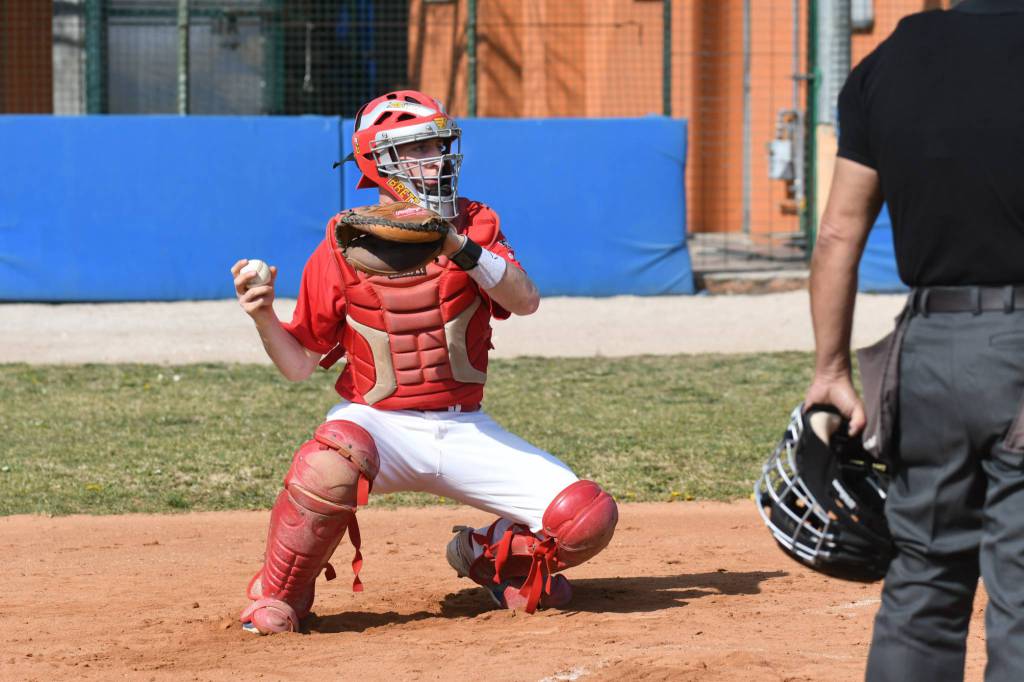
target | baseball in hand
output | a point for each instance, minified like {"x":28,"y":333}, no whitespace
{"x":262,"y":271}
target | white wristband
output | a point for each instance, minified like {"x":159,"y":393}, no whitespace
{"x":489,"y":269}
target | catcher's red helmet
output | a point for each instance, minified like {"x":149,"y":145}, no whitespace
{"x":398,"y":118}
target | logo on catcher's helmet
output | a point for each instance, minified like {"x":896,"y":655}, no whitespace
{"x":823,"y":498}
{"x":401,"y":192}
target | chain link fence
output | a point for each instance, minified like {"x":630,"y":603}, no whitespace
{"x":227,"y":56}
{"x":754,"y":79}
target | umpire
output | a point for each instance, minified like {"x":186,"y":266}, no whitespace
{"x":932,"y":122}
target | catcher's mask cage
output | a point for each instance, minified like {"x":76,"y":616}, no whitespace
{"x":823,"y":498}
{"x":404,"y":117}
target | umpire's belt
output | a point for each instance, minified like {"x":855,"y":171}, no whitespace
{"x":971,"y":299}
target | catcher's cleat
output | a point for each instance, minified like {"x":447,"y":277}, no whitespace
{"x":459,"y":551}
{"x":518,"y":566}
{"x":266,"y":616}
{"x":507,"y":594}
{"x":269,"y":616}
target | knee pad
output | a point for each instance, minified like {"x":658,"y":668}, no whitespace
{"x":335,"y":469}
{"x":582,"y":520}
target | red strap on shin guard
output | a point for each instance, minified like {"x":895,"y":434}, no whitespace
{"x":538,"y":580}
{"x":504,"y":549}
{"x":365,"y":485}
{"x":357,"y":561}
{"x":363,"y":489}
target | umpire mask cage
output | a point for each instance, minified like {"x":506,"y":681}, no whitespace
{"x":823,"y":498}
{"x":400,"y":118}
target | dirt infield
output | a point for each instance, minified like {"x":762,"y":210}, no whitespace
{"x":686,"y":591}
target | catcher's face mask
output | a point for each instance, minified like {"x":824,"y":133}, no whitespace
{"x":823,"y":498}
{"x":387,"y":128}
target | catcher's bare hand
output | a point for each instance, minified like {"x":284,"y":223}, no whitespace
{"x":259,"y":300}
{"x":452,"y":242}
{"x":839,"y":392}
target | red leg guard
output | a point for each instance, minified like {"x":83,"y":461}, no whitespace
{"x":582,"y":518}
{"x":578,"y":524}
{"x":330,"y":476}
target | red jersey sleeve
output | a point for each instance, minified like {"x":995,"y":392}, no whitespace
{"x":320,"y":308}
{"x":485,"y":229}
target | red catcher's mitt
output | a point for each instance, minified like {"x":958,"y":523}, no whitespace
{"x":390,"y":239}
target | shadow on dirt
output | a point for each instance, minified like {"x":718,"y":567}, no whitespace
{"x":655,"y":593}
{"x":629,"y":595}
{"x":357,"y":621}
{"x":593,"y":595}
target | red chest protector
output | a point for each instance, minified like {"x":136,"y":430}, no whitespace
{"x":414,"y":342}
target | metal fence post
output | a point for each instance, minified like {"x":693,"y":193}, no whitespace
{"x":831,"y":43}
{"x":272,"y":31}
{"x":182,"y":57}
{"x":471,"y":58}
{"x":666,"y":58}
{"x":95,"y":56}
{"x":748,"y":180}
{"x":810,"y":216}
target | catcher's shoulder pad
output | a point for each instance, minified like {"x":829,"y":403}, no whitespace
{"x":483,"y":225}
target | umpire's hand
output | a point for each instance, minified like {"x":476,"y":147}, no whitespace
{"x":838,"y":390}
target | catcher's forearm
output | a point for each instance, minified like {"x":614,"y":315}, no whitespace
{"x":291,"y":358}
{"x":505,"y":283}
{"x":516,"y":292}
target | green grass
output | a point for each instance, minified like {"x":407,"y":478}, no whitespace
{"x":148,"y":438}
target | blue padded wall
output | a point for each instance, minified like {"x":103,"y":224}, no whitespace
{"x":593,"y":207}
{"x":101,"y":208}
{"x":878,"y":264}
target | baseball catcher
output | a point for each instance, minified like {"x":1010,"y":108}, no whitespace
{"x":405,"y":292}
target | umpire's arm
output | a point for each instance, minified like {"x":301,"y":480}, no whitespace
{"x":853,"y":204}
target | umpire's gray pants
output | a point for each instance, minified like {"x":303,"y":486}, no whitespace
{"x":956,"y":503}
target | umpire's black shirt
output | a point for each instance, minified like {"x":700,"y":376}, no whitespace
{"x":938,"y":110}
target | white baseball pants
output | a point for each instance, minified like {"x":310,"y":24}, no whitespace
{"x":467,"y":457}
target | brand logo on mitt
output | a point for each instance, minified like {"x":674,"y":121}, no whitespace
{"x":403,"y":192}
{"x":412,"y":210}
{"x":411,"y":273}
